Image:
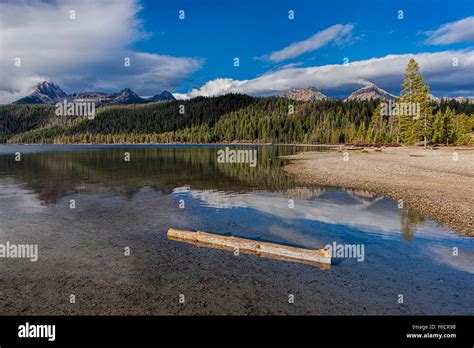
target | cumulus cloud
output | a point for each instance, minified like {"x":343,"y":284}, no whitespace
{"x":87,"y":52}
{"x":338,"y":79}
{"x":353,"y":214}
{"x":335,"y":33}
{"x":453,"y":32}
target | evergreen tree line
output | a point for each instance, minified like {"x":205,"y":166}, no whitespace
{"x":242,"y":118}
{"x":444,"y":124}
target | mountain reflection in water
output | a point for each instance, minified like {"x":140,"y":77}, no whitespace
{"x":52,"y":175}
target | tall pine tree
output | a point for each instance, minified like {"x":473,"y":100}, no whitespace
{"x":415,"y":91}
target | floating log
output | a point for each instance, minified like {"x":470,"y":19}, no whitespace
{"x":319,"y":257}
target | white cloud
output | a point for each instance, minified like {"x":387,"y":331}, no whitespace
{"x":337,"y":79}
{"x":335,"y":33}
{"x":83,"y":53}
{"x":444,"y":255}
{"x":215,"y":87}
{"x":453,"y":32}
{"x":356,"y":214}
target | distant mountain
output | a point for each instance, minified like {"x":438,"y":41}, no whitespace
{"x":90,"y":96}
{"x":165,"y":95}
{"x":45,"y":92}
{"x":437,"y":100}
{"x":126,"y":96}
{"x":460,"y":99}
{"x":48,"y":93}
{"x":370,"y":92}
{"x":304,"y":94}
{"x":433,"y":99}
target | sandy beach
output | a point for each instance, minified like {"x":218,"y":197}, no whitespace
{"x":436,"y":182}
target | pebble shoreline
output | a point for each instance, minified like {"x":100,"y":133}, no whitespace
{"x":438,"y":183}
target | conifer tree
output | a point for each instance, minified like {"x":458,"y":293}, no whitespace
{"x":438,"y":128}
{"x":415,"y":91}
{"x":448,"y":127}
{"x":376,"y":132}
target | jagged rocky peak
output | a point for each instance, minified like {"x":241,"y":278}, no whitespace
{"x":49,"y":89}
{"x":47,"y":92}
{"x":304,"y":94}
{"x":126,"y":96}
{"x":371,"y":91}
{"x":126,"y":92}
{"x":165,"y":95}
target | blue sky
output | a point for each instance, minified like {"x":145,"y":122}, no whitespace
{"x":195,"y":56}
{"x":222,"y":30}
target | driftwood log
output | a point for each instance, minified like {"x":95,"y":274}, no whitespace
{"x":319,"y":257}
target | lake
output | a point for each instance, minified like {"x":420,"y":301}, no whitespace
{"x":100,"y":223}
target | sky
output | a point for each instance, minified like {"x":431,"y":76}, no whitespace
{"x":336,"y":46}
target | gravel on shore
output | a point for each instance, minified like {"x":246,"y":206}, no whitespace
{"x":437,"y":182}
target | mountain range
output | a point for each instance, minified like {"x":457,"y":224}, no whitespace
{"x":313,"y":94}
{"x":366,"y":93}
{"x":47,"y":92}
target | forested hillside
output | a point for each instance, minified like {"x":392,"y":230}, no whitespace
{"x":220,"y":119}
{"x":243,"y":118}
